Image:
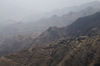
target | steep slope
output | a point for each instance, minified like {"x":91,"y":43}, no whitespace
{"x":50,"y":35}
{"x":36,"y":28}
{"x":88,"y":25}
{"x":81,"y":51}
{"x":83,"y":25}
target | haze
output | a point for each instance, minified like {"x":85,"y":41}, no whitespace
{"x":45,"y":5}
{"x":18,"y":9}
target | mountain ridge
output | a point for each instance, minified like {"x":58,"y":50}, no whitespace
{"x":84,"y":51}
{"x":36,"y":28}
{"x":60,"y":12}
{"x":76,"y":29}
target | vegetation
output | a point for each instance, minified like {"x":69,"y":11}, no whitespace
{"x":81,"y":51}
{"x":88,"y":25}
{"x":75,"y":45}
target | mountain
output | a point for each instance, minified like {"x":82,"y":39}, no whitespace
{"x":36,"y":28}
{"x":14,"y":44}
{"x":67,"y":19}
{"x":84,"y":26}
{"x":19,"y":28}
{"x":88,"y":25}
{"x":81,"y":51}
{"x":50,"y":35}
{"x":66,"y":10}
{"x":80,"y":47}
{"x":60,"y":12}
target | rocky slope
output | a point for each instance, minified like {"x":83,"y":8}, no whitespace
{"x":81,"y":51}
{"x":84,"y":25}
{"x":88,"y":25}
{"x":50,"y":35}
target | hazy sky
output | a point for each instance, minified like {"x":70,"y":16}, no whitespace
{"x":45,"y":5}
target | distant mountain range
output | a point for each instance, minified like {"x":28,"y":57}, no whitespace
{"x":84,"y":26}
{"x":9,"y":11}
{"x":60,"y":12}
{"x":36,"y":28}
{"x":73,"y":40}
{"x":88,"y":25}
{"x":11,"y":27}
{"x":67,"y":19}
{"x":77,"y":44}
{"x":15,"y":43}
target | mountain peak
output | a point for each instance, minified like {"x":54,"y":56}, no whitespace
{"x":54,"y":16}
{"x":52,"y":28}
